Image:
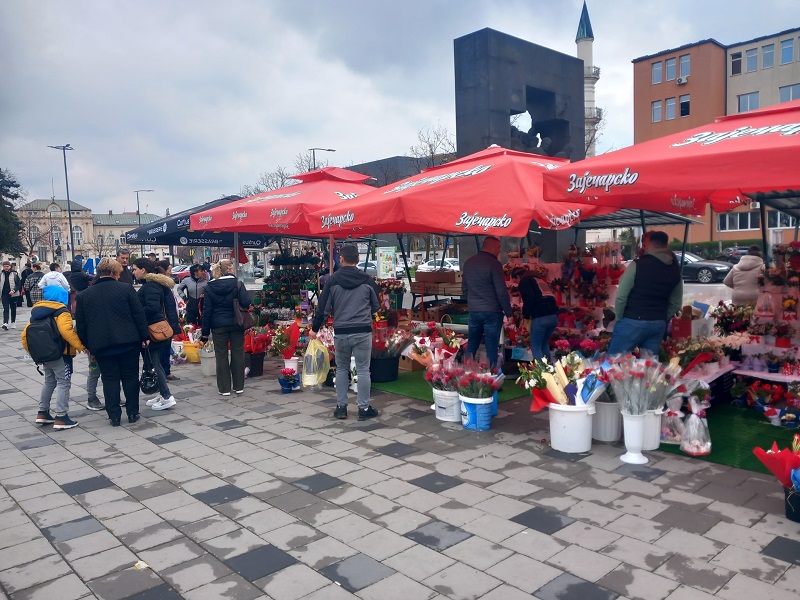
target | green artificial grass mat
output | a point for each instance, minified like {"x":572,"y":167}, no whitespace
{"x":735,"y":432}
{"x":413,"y":385}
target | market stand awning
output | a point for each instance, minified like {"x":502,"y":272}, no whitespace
{"x":175,"y":231}
{"x":285,"y":211}
{"x":493,"y":192}
{"x":722,"y":163}
{"x":625,"y":218}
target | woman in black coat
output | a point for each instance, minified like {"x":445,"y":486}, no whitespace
{"x":111,"y":323}
{"x":218,"y":319}
{"x":156,"y":298}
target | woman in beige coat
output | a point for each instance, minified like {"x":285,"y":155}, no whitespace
{"x":743,"y":277}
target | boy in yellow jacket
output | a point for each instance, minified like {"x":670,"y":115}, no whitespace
{"x":57,"y":373}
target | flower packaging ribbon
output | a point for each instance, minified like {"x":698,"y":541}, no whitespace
{"x":541,"y":398}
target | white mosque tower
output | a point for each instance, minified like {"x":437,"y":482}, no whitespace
{"x":584,"y":40}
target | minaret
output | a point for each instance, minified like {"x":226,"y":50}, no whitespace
{"x":584,"y":40}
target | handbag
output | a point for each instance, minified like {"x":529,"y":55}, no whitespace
{"x":160,"y":330}
{"x":241,"y":316}
{"x":148,"y":382}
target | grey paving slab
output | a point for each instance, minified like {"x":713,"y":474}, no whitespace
{"x":356,"y":572}
{"x":72,"y":529}
{"x":166,"y":438}
{"x":317,"y":483}
{"x":233,"y":587}
{"x":230,"y":424}
{"x":568,"y":456}
{"x":438,"y":535}
{"x":195,"y":573}
{"x":642,"y":472}
{"x":260,"y":562}
{"x":38,"y":441}
{"x":161,"y":592}
{"x":784,"y":549}
{"x":436,"y":482}
{"x":397,"y":449}
{"x":84,"y":486}
{"x":542,"y":520}
{"x":220,"y":495}
{"x":569,"y":587}
{"x":124,"y":584}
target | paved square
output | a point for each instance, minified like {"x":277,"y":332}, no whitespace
{"x":220,"y":495}
{"x":318,"y":483}
{"x":260,"y":562}
{"x":542,"y":520}
{"x":357,"y":572}
{"x":438,"y":536}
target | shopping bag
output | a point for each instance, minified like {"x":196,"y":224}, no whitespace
{"x":316,"y":364}
{"x":148,"y":382}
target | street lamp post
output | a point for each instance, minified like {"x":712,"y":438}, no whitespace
{"x":138,"y":212}
{"x":314,"y":156}
{"x":69,"y":205}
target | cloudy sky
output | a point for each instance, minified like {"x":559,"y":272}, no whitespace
{"x":195,"y":98}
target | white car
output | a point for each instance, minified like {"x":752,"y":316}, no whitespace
{"x":450,"y":264}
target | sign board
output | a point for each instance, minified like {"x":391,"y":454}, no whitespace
{"x":386,"y":261}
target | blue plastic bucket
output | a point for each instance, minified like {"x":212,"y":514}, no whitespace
{"x":476,"y":413}
{"x":494,"y":404}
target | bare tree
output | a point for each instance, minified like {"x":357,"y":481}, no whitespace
{"x":34,"y":233}
{"x":592,"y":135}
{"x":100,"y":246}
{"x":267,"y":181}
{"x":435,"y":146}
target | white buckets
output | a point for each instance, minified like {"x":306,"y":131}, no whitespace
{"x":607,"y":423}
{"x":571,"y":427}
{"x":652,"y":429}
{"x":447,"y":405}
{"x":634,"y":439}
{"x":208,"y":364}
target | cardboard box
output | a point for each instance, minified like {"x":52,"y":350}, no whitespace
{"x":409,"y":364}
{"x":438,"y":276}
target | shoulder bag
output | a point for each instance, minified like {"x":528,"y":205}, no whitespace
{"x":241,"y":316}
{"x":161,"y":330}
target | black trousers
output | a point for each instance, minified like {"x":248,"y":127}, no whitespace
{"x":229,"y":371}
{"x":122,"y":368}
{"x":9,"y":304}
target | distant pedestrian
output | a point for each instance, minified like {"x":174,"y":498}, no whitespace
{"x":23,"y":278}
{"x":57,"y":372}
{"x":743,"y":277}
{"x":32,"y":283}
{"x":10,"y":290}
{"x":191,"y":289}
{"x":54,"y":277}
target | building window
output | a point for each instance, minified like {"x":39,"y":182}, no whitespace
{"x":787,"y":51}
{"x":748,"y":102}
{"x":669,"y":106}
{"x":739,"y":221}
{"x":751,"y":60}
{"x":768,"y":56}
{"x":77,"y":236}
{"x":656,"y":111}
{"x":655,"y":70}
{"x":684,"y":104}
{"x":686,"y":65}
{"x":790,"y":92}
{"x":670,"y":75}
{"x":100,"y":240}
{"x":122,"y":240}
{"x":55,"y":231}
{"x":33,"y":233}
{"x":736,"y":63}
{"x":777,"y":219}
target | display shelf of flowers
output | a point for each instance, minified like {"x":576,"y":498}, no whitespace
{"x":291,"y":275}
{"x":392,"y":291}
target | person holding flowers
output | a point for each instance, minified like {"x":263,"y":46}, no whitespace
{"x":743,"y":277}
{"x":352,"y":295}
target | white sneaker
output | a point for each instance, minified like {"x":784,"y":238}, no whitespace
{"x":153,"y":400}
{"x":239,"y":391}
{"x":164,"y":404}
{"x":5,"y":326}
{"x":224,"y":393}
{"x":13,"y":326}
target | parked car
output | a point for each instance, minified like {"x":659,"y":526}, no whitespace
{"x":372,"y":268}
{"x":450,"y":264}
{"x":703,"y":271}
{"x":258,"y":272}
{"x":180,"y":272}
{"x":733,"y":255}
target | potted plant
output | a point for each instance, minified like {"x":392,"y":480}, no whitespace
{"x":773,"y":362}
{"x":476,"y":392}
{"x":288,"y":380}
{"x":445,"y":395}
{"x":783,"y":333}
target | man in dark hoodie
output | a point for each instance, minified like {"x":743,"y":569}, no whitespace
{"x":77,"y":278}
{"x":352,"y":295}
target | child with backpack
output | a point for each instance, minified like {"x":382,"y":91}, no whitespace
{"x":51,"y":342}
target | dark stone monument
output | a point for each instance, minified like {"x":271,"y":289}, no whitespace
{"x":498,"y":76}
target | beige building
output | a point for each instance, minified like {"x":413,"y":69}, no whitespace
{"x":45,"y":230}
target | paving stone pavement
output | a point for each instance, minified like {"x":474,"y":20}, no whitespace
{"x":265,"y":495}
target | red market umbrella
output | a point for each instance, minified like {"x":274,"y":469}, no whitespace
{"x":756,"y":151}
{"x":492,"y":192}
{"x":285,"y":211}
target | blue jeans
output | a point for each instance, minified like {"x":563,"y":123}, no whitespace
{"x":358,"y":345}
{"x":488,"y":324}
{"x":542,"y":329}
{"x":631,"y":333}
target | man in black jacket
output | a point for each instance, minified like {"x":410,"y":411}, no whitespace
{"x":352,"y":295}
{"x":483,"y":286}
{"x":111,"y":323}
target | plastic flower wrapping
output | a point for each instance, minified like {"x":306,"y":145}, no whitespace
{"x":784,"y":464}
{"x":696,"y":437}
{"x":672,"y":421}
{"x":389,"y":342}
{"x":571,"y":380}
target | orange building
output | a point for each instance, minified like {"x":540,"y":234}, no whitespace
{"x":690,"y":86}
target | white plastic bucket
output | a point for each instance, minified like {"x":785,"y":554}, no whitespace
{"x":448,"y":406}
{"x":476,"y":413}
{"x":634,"y":439}
{"x":571,"y":427}
{"x":652,"y":429}
{"x":607,"y":422}
{"x":208,"y":364}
